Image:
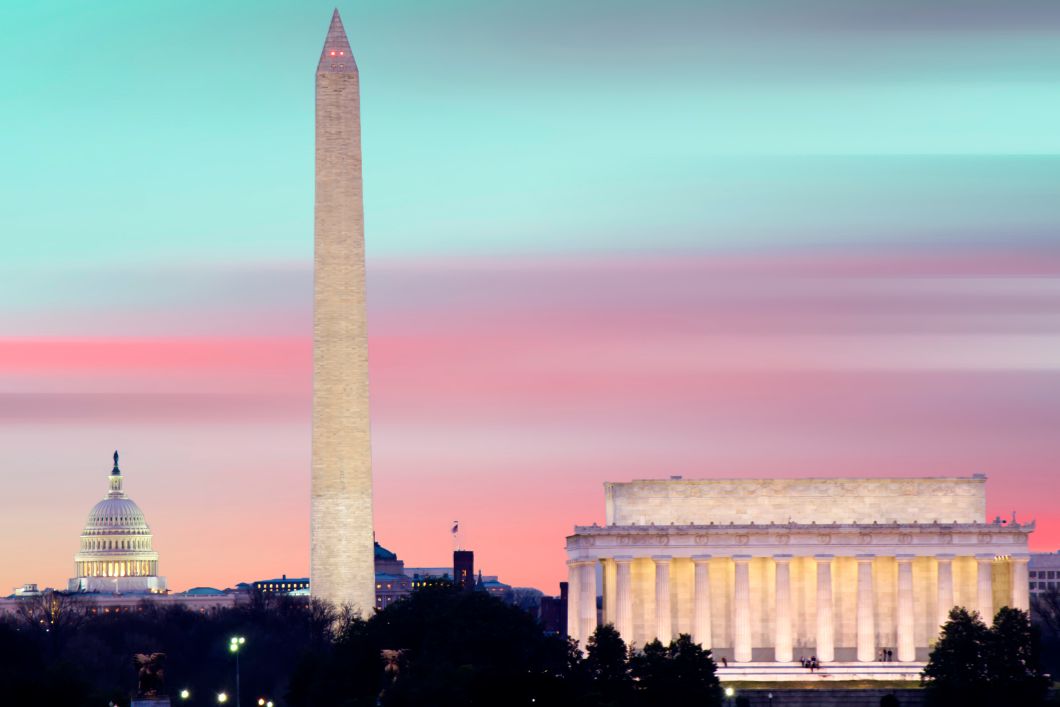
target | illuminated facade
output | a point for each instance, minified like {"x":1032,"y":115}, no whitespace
{"x":282,"y":585}
{"x":391,"y":583}
{"x":763,"y":571}
{"x":116,"y":555}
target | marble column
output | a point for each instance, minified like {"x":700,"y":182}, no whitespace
{"x":906,"y":617}
{"x":825,"y":620}
{"x":945,"y":601}
{"x":985,"y":606}
{"x":588,"y":597}
{"x":624,"y":598}
{"x":1021,"y":588}
{"x":866,"y":610}
{"x":663,"y":617}
{"x":742,"y":610}
{"x":782,"y":652}
{"x":574,"y":604}
{"x":701,"y":632}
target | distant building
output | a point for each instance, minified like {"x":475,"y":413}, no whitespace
{"x":391,"y":583}
{"x":421,"y":577}
{"x":495,"y":587}
{"x":115,"y":551}
{"x":387,"y":562}
{"x":554,"y":612}
{"x":199,"y":599}
{"x":429,"y":576}
{"x":390,"y":587}
{"x":27,"y":590}
{"x":464,"y":569}
{"x":1044,"y":571}
{"x":283,"y":585}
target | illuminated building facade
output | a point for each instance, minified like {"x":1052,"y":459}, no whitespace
{"x":766,"y":570}
{"x":283,"y":585}
{"x":116,"y":553}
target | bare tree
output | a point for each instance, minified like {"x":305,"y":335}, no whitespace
{"x":53,"y":611}
{"x":57,"y":616}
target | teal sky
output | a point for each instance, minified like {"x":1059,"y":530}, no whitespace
{"x":607,"y":240}
{"x":141,"y":132}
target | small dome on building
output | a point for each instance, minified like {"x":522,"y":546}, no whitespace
{"x":204,"y":592}
{"x":116,"y":553}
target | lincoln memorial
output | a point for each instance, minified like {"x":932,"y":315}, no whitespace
{"x":768,"y":570}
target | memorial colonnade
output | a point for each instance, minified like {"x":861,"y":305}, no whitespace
{"x":780,"y":592}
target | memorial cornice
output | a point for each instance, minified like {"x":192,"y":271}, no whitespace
{"x":841,"y":539}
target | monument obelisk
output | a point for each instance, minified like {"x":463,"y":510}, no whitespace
{"x":341,"y":554}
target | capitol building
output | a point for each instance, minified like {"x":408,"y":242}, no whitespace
{"x":115,"y":554}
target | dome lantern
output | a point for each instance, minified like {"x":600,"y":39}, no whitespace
{"x":115,"y":479}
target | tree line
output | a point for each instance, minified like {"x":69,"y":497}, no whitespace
{"x":439,"y":647}
{"x":973,"y":665}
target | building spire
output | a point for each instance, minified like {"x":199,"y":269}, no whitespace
{"x":336,"y":57}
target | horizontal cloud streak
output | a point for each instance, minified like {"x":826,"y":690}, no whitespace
{"x":526,"y":381}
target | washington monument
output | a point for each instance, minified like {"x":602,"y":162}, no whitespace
{"x":341,"y":556}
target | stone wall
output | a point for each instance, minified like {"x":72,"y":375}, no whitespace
{"x":764,"y":501}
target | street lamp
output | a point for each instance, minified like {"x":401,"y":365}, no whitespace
{"x":222,"y":697}
{"x":185,"y":694}
{"x":234,"y":644}
{"x":729,"y":692}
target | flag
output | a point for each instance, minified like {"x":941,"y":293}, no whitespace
{"x":456,"y":526}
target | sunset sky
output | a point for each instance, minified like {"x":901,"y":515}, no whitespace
{"x":606,"y":240}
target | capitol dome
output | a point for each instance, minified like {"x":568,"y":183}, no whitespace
{"x":116,"y":553}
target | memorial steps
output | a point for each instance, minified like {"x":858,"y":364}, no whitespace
{"x":829,"y":672}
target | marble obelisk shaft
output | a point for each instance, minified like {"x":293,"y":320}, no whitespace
{"x":341,"y":557}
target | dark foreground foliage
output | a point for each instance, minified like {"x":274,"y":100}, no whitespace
{"x":973,"y":665}
{"x":438,"y":648}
